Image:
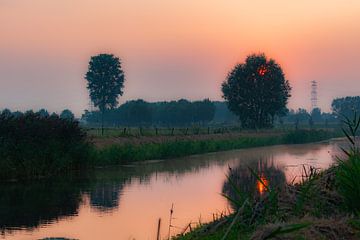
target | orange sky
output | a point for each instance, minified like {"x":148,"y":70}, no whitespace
{"x":173,"y":49}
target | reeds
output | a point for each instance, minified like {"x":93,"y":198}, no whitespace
{"x":348,"y":172}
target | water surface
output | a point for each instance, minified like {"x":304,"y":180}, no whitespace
{"x":126,"y":202}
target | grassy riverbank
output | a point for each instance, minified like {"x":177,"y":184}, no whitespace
{"x":322,"y":205}
{"x":313,"y":209}
{"x":130,"y":152}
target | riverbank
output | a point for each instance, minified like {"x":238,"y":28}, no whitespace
{"x":322,"y":205}
{"x":313,"y":209}
{"x":123,"y":151}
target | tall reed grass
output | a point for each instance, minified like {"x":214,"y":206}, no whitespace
{"x":348,"y":171}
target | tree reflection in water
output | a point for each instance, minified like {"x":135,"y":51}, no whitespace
{"x":28,"y":205}
{"x":249,"y":185}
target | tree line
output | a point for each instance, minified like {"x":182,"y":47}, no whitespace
{"x":42,"y":113}
{"x":141,"y":113}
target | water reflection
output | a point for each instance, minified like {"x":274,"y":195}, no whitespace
{"x":105,"y":196}
{"x":29,"y":205}
{"x":241,"y":176}
{"x":138,"y":195}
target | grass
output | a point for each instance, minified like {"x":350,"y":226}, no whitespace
{"x":192,"y":130}
{"x":349,"y":169}
{"x":123,"y":154}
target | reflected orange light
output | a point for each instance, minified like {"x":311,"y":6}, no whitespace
{"x":261,"y":186}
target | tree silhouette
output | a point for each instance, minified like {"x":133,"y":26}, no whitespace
{"x":43,"y":113}
{"x":105,"y":82}
{"x":346,"y":106}
{"x":256,"y":91}
{"x":67,"y":114}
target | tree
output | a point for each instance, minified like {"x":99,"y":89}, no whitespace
{"x":346,"y":106}
{"x":136,"y":112}
{"x":316,"y":115}
{"x":67,"y":114}
{"x":105,"y":82}
{"x":43,"y":113}
{"x":256,"y":91}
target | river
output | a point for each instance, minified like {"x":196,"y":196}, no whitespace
{"x":126,"y":202}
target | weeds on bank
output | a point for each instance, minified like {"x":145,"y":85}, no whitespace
{"x":123,"y":154}
{"x":348,"y":173}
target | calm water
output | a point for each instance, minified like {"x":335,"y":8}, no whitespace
{"x":126,"y":202}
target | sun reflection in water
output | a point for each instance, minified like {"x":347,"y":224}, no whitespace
{"x":262,"y":185}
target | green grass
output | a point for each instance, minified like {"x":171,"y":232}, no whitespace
{"x":348,"y":173}
{"x":123,"y":154}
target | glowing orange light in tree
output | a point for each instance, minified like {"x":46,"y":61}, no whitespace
{"x":262,"y":70}
{"x":261,"y":186}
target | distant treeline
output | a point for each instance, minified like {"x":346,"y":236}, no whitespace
{"x":173,"y":113}
{"x":65,"y":114}
{"x":341,"y":107}
{"x":184,"y":113}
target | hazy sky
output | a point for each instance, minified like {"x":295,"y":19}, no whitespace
{"x":173,"y":49}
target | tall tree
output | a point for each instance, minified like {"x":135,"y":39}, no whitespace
{"x":105,"y":82}
{"x":256,"y":91}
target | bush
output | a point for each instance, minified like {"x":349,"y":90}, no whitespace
{"x":35,"y":146}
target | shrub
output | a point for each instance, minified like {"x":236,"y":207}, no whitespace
{"x":35,"y":146}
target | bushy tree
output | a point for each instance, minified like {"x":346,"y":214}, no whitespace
{"x":43,"y":113}
{"x":105,"y":82}
{"x":136,"y":112}
{"x":346,"y":106}
{"x":67,"y":114}
{"x":256,"y":91}
{"x":316,"y":115}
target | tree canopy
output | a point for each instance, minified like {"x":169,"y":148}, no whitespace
{"x":67,"y":114}
{"x":346,"y":106}
{"x":256,"y":91}
{"x":105,"y":80}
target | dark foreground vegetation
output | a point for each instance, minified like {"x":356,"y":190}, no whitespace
{"x":35,"y":146}
{"x":321,"y":205}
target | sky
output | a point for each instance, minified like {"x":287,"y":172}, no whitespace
{"x":174,"y":49}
